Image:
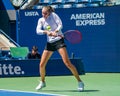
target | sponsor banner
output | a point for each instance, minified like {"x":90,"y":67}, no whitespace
{"x":100,"y":28}
{"x":20,"y":68}
{"x":88,"y":19}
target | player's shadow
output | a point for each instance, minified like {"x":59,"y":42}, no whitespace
{"x":69,"y":90}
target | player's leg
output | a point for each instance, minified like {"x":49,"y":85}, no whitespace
{"x":67,"y":62}
{"x":44,"y":59}
{"x":64,"y":55}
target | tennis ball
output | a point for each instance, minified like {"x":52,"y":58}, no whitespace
{"x":48,"y":28}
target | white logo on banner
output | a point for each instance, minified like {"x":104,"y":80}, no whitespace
{"x":10,"y":70}
{"x":88,"y":19}
{"x":32,"y":13}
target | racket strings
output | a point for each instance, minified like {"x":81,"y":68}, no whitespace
{"x":73,"y":37}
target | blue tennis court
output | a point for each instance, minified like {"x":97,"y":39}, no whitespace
{"x":4,"y":92}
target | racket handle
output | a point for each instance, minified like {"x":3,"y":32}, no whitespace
{"x":61,"y":36}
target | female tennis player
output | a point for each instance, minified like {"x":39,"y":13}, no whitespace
{"x":51,"y":25}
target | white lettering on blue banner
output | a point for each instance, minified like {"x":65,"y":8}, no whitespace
{"x":88,"y":19}
{"x":31,"y":13}
{"x":8,"y":69}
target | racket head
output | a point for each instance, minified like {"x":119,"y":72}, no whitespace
{"x":73,"y":36}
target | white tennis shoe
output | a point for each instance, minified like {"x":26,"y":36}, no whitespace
{"x":41,"y":85}
{"x":80,"y":86}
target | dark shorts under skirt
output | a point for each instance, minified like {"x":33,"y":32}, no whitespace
{"x":55,"y":45}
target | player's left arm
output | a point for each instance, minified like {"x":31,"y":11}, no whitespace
{"x":58,"y":22}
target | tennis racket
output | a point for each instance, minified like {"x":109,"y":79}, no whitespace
{"x":73,"y":36}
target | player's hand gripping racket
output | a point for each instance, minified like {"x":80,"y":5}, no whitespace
{"x":73,"y":36}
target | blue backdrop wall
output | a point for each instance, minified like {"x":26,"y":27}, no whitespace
{"x":100,"y":28}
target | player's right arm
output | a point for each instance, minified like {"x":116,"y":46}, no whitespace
{"x":39,"y":27}
{"x":41,"y":31}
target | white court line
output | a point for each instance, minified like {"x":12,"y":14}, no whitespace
{"x":31,"y":92}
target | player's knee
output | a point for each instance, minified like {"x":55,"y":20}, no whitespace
{"x":42,"y":65}
{"x":68,"y":64}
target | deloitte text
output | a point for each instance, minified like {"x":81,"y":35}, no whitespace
{"x":8,"y":69}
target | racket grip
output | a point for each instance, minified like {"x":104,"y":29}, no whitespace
{"x":61,"y":36}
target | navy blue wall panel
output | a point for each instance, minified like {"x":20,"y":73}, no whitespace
{"x":19,"y":68}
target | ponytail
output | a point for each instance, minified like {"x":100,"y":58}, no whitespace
{"x":49,"y":8}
